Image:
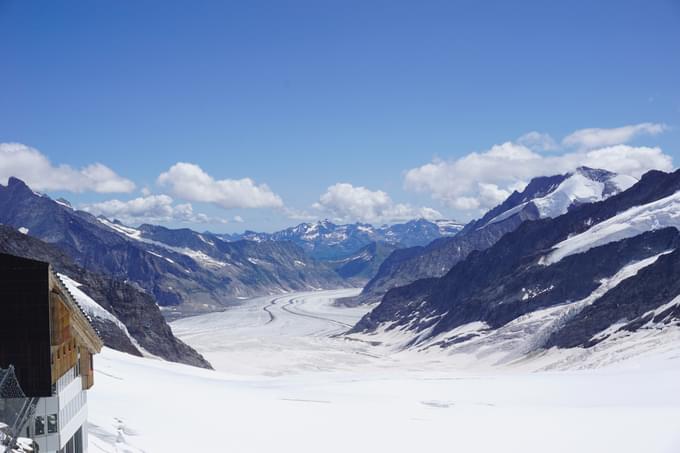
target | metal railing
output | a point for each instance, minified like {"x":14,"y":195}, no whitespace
{"x":16,"y":409}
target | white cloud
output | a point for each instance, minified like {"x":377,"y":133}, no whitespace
{"x":482,"y":180}
{"x":301,"y":215}
{"x":346,"y":203}
{"x":596,"y":137}
{"x":538,"y":141}
{"x":190,"y":182}
{"x":491,"y":194}
{"x":151,"y":208}
{"x":39,"y":173}
{"x":238,"y":219}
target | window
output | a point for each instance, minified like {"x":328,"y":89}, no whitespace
{"x":78,"y":439}
{"x":52,"y":423}
{"x":39,"y":425}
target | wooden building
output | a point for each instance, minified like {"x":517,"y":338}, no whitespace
{"x":50,"y":341}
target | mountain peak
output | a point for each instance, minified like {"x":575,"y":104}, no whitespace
{"x":595,"y":174}
{"x":552,"y":196}
{"x":15,"y":182}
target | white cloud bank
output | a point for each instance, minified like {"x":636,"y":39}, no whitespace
{"x":157,"y":208}
{"x":539,"y":141}
{"x":479,"y":181}
{"x":596,"y":137}
{"x":39,"y":173}
{"x":189,"y":182}
{"x":346,"y":203}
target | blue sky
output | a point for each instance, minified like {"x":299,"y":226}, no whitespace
{"x":363,"y":110}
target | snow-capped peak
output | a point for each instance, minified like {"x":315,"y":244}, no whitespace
{"x":584,"y":185}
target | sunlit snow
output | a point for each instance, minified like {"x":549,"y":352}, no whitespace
{"x":287,"y":382}
{"x":632,"y":222}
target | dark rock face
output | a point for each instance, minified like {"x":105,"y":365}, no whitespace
{"x":494,"y":285}
{"x":136,"y":309}
{"x":114,"y":337}
{"x":434,"y":260}
{"x":633,"y":302}
{"x":362,"y":265}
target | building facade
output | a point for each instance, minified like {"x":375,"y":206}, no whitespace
{"x":51,"y":343}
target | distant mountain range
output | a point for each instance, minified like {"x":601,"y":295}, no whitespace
{"x":544,"y":197}
{"x":573,"y":260}
{"x":325,"y":240}
{"x":132,"y":271}
{"x":581,"y":276}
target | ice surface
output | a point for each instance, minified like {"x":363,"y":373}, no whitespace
{"x":287,"y":382}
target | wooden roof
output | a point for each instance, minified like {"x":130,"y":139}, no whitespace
{"x":81,"y":321}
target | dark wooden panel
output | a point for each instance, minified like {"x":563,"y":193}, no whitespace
{"x":25,"y":322}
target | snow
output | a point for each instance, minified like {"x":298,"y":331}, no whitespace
{"x":287,"y":382}
{"x":475,"y":343}
{"x":528,"y":333}
{"x":530,"y":293}
{"x":160,"y":256}
{"x":623,"y":182}
{"x":632,"y":222}
{"x":659,"y":310}
{"x":448,"y":227}
{"x":198,"y":256}
{"x":578,"y":188}
{"x":23,"y":230}
{"x":66,"y":205}
{"x":94,"y":310}
{"x":88,"y":305}
{"x":132,"y":233}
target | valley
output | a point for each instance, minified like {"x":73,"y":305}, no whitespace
{"x":286,"y":381}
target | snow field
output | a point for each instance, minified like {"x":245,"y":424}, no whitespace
{"x":285,"y":382}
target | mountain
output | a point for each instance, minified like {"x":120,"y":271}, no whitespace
{"x":128,"y":319}
{"x":188,"y":271}
{"x":325,"y":240}
{"x":364,"y":263}
{"x":544,"y":197}
{"x":601,"y":272}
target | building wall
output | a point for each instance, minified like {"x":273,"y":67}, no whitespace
{"x":69,"y":405}
{"x":25,"y":335}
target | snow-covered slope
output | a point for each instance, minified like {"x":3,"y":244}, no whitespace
{"x":651,"y":216}
{"x":584,"y":185}
{"x":290,"y":384}
{"x":600,"y":271}
{"x":479,"y":343}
